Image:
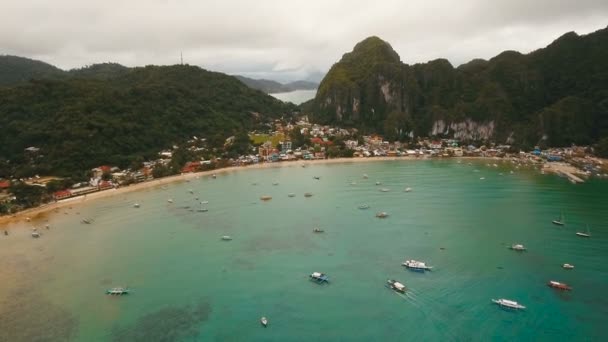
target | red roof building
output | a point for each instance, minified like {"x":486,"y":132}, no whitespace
{"x":319,"y":141}
{"x":5,"y":185}
{"x":104,"y":185}
{"x":62,"y":194}
{"x":191,"y":167}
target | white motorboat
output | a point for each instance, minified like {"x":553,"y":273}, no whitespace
{"x":518,"y":247}
{"x":407,"y":189}
{"x":291,"y":194}
{"x":136,"y":205}
{"x":35,"y":234}
{"x":568,"y":266}
{"x":170,"y":200}
{"x":364,"y":206}
{"x":118,"y":291}
{"x":396,"y":286}
{"x":365,"y":176}
{"x":385,"y":190}
{"x":382,"y":214}
{"x":264,"y":321}
{"x":226,"y":238}
{"x":417,"y":265}
{"x":585,"y":234}
{"x":506,"y":303}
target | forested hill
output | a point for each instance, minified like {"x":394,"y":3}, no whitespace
{"x":555,"y":96}
{"x":15,"y":70}
{"x":269,"y":86}
{"x":80,"y":123}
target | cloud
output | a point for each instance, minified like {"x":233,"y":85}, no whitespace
{"x":281,"y":39}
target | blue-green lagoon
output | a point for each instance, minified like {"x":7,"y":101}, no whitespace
{"x":189,"y":285}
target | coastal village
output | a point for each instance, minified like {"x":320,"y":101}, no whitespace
{"x":576,"y":163}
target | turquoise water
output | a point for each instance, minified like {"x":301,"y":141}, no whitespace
{"x":296,"y":96}
{"x":191,"y":286}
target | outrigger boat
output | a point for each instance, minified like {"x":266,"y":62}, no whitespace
{"x":118,"y":291}
{"x":510,"y":304}
{"x":557,"y":285}
{"x":264,"y":321}
{"x":395,"y":286}
{"x":319,"y":277}
{"x":518,"y":247}
{"x":417,"y":265}
{"x":561,"y":220}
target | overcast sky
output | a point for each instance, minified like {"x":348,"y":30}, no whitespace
{"x":282,"y":39}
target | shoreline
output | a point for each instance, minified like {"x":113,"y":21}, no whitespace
{"x":37,"y":212}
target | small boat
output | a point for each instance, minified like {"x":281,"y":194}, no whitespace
{"x":558,"y":285}
{"x":87,"y":221}
{"x":385,"y":190}
{"x":6,"y":232}
{"x":35,"y":234}
{"x":568,"y":266}
{"x":266,"y":198}
{"x":319,"y":277}
{"x":316,"y":177}
{"x":378,"y":183}
{"x":191,"y":191}
{"x":318,"y":230}
{"x":47,"y":226}
{"x":275,"y":183}
{"x":226,"y":238}
{"x":203,"y":210}
{"x":482,"y":178}
{"x":118,"y":291}
{"x":407,"y":189}
{"x":264,"y":321}
{"x":204,"y":202}
{"x":561,"y":221}
{"x":510,"y":304}
{"x":586,"y":234}
{"x":518,"y":247}
{"x":214,"y":176}
{"x":170,"y":200}
{"x":308,"y":194}
{"x":365,"y":176}
{"x":382,"y":214}
{"x":417,"y":265}
{"x":364,"y":206}
{"x":291,"y":194}
{"x":396,"y":286}
{"x":136,"y":205}
{"x":353,"y":183}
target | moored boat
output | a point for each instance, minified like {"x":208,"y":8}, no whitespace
{"x":308,"y":194}
{"x":416,"y":265}
{"x":203,"y":210}
{"x":395,"y":286}
{"x":118,"y":291}
{"x":35,"y":234}
{"x":226,"y":238}
{"x":561,"y":221}
{"x":87,"y":221}
{"x":585,"y":234}
{"x":568,"y":266}
{"x":264,"y":321}
{"x":382,"y":214}
{"x":316,"y":177}
{"x":319,"y":277}
{"x":170,"y":200}
{"x":365,"y":176}
{"x":385,"y":190}
{"x":557,"y":285}
{"x":506,"y":303}
{"x":407,"y":190}
{"x":136,"y":205}
{"x":518,"y":247}
{"x":364,"y":206}
{"x":318,"y":230}
{"x":291,"y":194}
{"x":266,"y":198}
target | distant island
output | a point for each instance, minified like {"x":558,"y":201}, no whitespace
{"x":269,"y":86}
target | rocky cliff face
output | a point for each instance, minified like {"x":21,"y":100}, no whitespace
{"x":556,"y":92}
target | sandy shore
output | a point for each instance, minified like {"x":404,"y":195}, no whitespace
{"x":38,"y":213}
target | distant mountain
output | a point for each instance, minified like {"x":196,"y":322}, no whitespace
{"x":79,"y":123}
{"x":19,"y":70}
{"x":14,"y":70}
{"x":554,"y":96}
{"x":270,"y":87}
